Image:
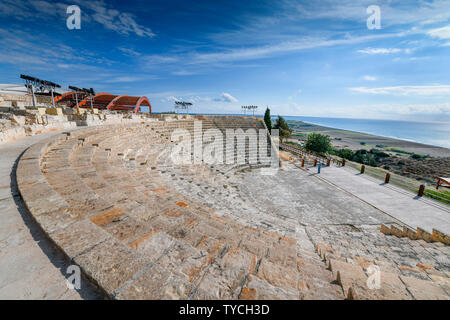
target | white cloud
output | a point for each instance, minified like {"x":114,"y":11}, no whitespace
{"x":260,"y":52}
{"x":173,"y":99}
{"x":121,"y":22}
{"x":380,"y":50}
{"x":158,"y":59}
{"x":129,"y":51}
{"x":406,"y":90}
{"x":126,"y":79}
{"x":369,"y":78}
{"x":392,"y":12}
{"x":441,"y":33}
{"x":226,"y":97}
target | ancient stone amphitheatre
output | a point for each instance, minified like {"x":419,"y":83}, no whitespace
{"x":108,"y":195}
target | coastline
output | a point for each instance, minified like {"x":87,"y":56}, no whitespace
{"x":354,"y":140}
{"x":411,"y":159}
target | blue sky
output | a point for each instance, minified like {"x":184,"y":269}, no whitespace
{"x":307,"y":58}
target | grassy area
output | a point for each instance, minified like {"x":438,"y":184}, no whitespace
{"x":396,"y":150}
{"x":441,"y":196}
{"x":299,"y":134}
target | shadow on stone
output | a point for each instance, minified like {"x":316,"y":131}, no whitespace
{"x":88,"y":291}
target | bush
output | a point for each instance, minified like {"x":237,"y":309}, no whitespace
{"x":343,"y":153}
{"x":283,"y":127}
{"x":379,"y":153}
{"x":418,"y":156}
{"x":268,"y":120}
{"x":318,"y":142}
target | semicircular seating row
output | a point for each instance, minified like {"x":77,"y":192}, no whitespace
{"x":99,"y":195}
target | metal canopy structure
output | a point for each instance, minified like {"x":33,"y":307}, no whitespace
{"x":38,"y":86}
{"x":84,"y":99}
{"x":250,"y":108}
{"x":182,"y":105}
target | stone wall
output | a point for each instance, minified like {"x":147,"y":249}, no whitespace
{"x":18,"y":123}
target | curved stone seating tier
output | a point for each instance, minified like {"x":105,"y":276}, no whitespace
{"x":141,"y":227}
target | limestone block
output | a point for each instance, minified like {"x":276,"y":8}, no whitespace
{"x":440,"y":236}
{"x":79,"y":237}
{"x":423,"y":289}
{"x":396,"y":231}
{"x":111,"y":264}
{"x":409,"y":233}
{"x":352,"y":279}
{"x":259,"y":289}
{"x":424,"y":235}
{"x":385,"y":229}
{"x":156,"y":283}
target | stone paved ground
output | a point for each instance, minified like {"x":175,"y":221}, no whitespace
{"x":144,"y":228}
{"x":403,"y":205}
{"x":30,"y":265}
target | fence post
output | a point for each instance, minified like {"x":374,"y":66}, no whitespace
{"x":363,"y":169}
{"x":303,"y":163}
{"x":315,"y":162}
{"x":421,"y":190}
{"x":388,"y":176}
{"x":343,"y":162}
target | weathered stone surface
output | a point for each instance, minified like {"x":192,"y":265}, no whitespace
{"x":111,"y":264}
{"x":258,"y":289}
{"x":424,"y":290}
{"x":79,"y":237}
{"x":162,"y":231}
{"x":156,"y":283}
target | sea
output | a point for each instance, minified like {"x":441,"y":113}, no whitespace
{"x":431,"y":133}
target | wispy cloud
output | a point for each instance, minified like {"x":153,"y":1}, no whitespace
{"x":122,"y":22}
{"x":261,"y":52}
{"x":129,"y":52}
{"x":128,"y":79}
{"x":98,"y":11}
{"x":226,"y":97}
{"x":369,"y":78}
{"x":393,"y":13}
{"x":384,"y":50}
{"x":406,"y":90}
{"x":441,"y":33}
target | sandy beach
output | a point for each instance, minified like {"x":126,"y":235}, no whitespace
{"x":400,"y":151}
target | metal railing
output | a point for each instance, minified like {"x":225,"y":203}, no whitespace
{"x":381,"y":174}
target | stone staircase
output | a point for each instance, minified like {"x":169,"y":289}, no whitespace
{"x":408,"y":269}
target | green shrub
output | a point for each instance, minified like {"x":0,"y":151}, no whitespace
{"x":318,"y":142}
{"x":283,"y":127}
{"x":379,"y":153}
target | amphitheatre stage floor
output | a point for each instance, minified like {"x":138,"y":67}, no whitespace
{"x":141,"y":227}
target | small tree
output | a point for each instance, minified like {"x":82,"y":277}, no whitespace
{"x":283,"y":127}
{"x":318,"y":142}
{"x":268,"y":120}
